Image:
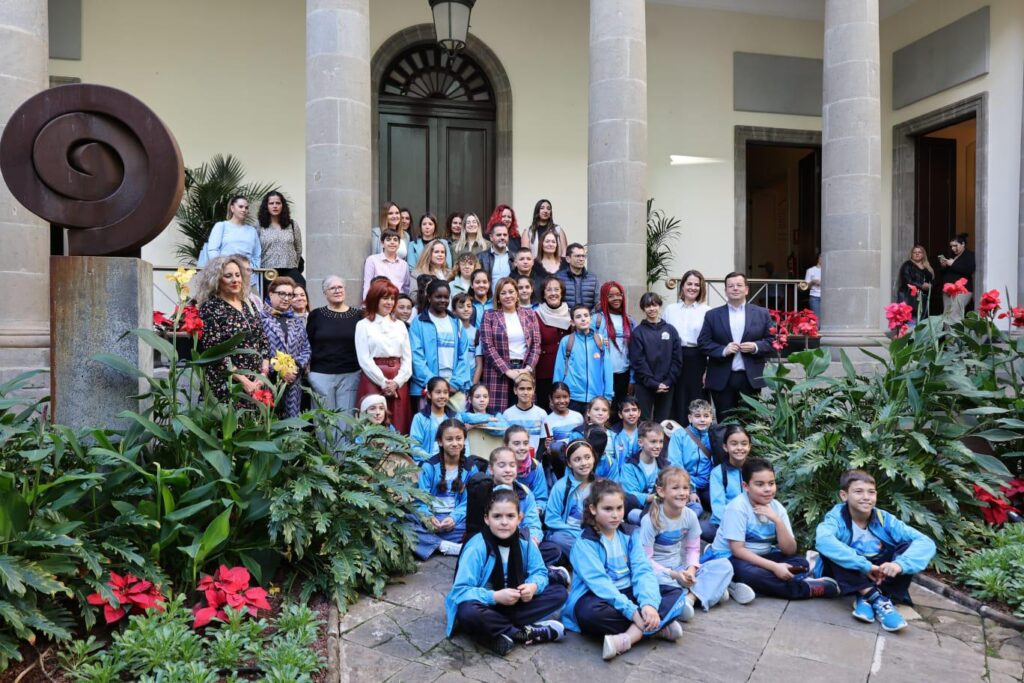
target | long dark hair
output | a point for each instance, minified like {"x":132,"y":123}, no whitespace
{"x":606,"y":312}
{"x":458,"y":485}
{"x":534,"y":227}
{"x":263,"y":216}
{"x":598,"y":490}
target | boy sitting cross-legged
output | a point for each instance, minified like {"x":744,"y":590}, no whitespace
{"x":871,"y":553}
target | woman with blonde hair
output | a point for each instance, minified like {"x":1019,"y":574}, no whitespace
{"x":915,"y":272}
{"x":433,"y":262}
{"x":222,"y":295}
{"x":234,"y":236}
{"x":390,"y":217}
{"x":472,"y":238}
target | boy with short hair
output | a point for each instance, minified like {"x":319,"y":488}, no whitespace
{"x":526,"y":413}
{"x":640,"y":471}
{"x":756,"y":536}
{"x":529,"y":471}
{"x":691,"y":449}
{"x":869,"y":552}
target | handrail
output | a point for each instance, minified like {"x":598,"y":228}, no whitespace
{"x":775,"y":293}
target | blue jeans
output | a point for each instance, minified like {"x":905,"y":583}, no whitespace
{"x":427,"y":541}
{"x":816,"y":306}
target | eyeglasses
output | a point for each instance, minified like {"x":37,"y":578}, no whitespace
{"x":289,"y":295}
{"x":338,"y":288}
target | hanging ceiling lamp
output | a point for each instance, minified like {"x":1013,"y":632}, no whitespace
{"x":451,"y":22}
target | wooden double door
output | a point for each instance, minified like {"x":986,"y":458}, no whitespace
{"x":437,"y":160}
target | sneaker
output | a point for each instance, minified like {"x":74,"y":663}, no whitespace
{"x":615,"y":646}
{"x":814,"y":563}
{"x":542,"y":632}
{"x":673,"y":631}
{"x":863,"y":611}
{"x":502,"y":645}
{"x":741,"y":593}
{"x":888,"y":616}
{"x":559,"y":576}
{"x":823,"y":588}
{"x":450,"y":548}
{"x":687,"y":612}
{"x":725,"y":597}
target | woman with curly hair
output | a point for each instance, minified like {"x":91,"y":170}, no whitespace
{"x":504,"y":214}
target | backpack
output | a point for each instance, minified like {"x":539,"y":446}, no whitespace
{"x":571,"y":341}
{"x":478,"y":493}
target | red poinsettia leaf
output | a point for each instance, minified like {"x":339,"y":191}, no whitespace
{"x":202,"y":616}
{"x":112,"y":614}
{"x":236,"y":600}
{"x":237,"y":577}
{"x":144,"y":600}
{"x":140,"y":587}
{"x":214,"y":597}
{"x":95,"y":599}
{"x":257,"y":597}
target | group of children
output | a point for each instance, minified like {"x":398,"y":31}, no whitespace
{"x":556,"y":528}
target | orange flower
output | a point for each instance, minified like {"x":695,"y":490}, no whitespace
{"x":989,"y":303}
{"x":955,"y":288}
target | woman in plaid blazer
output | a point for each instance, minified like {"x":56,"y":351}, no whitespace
{"x":510,"y":341}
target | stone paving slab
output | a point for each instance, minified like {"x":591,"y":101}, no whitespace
{"x":400,"y":637}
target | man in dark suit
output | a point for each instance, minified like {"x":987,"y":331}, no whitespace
{"x":737,"y":340}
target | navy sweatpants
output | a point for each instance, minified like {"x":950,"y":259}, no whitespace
{"x":598,"y":618}
{"x":765,"y":583}
{"x":486,"y":622}
{"x":852,"y":581}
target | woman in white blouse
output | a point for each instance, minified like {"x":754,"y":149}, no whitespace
{"x":687,"y":316}
{"x":384,"y":353}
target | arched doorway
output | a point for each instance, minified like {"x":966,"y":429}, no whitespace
{"x":436,"y":133}
{"x":434,"y":122}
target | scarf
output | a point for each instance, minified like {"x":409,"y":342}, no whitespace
{"x":516,"y":575}
{"x":523,"y":467}
{"x":554,"y":317}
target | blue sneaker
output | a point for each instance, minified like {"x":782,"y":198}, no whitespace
{"x":887,"y":615}
{"x":863,"y":611}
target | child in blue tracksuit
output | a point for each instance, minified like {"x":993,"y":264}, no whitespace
{"x":503,"y":468}
{"x":691,"y":449}
{"x":602,"y":440}
{"x":871,"y":553}
{"x":726,"y":480}
{"x":581,"y":363}
{"x":444,"y":477}
{"x":615,"y":593}
{"x":530,"y":473}
{"x":423,"y":430}
{"x":640,"y":471}
{"x":563,"y":515}
{"x":501,"y":592}
{"x":439,"y":344}
{"x":627,"y":439}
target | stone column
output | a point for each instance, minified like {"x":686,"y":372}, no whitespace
{"x":24,"y":258}
{"x":617,"y":149}
{"x":851,"y":173}
{"x":338,"y":185}
{"x":1020,"y":230}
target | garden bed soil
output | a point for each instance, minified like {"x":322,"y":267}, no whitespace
{"x":29,"y":671}
{"x":945,"y":585}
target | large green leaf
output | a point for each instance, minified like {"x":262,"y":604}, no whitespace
{"x":214,"y":535}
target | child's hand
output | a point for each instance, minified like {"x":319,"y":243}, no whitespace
{"x":527,"y":591}
{"x":651,"y":618}
{"x":436,"y":523}
{"x":690,"y":575}
{"x":890,"y":569}
{"x":506,"y":596}
{"x":547,"y":443}
{"x":448,"y":524}
{"x":694,"y":498}
{"x":767,"y":511}
{"x":782,"y":571}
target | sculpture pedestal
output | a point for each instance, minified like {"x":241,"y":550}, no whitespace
{"x":95,"y":302}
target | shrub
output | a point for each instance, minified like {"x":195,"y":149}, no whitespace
{"x":994,"y":573}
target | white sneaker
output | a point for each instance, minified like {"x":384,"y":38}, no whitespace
{"x":450,"y":548}
{"x":725,"y":597}
{"x":672,"y":632}
{"x":741,"y":593}
{"x":687,"y":612}
{"x":615,"y":645}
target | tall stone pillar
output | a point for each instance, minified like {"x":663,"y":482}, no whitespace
{"x":338,"y":185}
{"x":1020,"y":223}
{"x":617,"y":149}
{"x":24,"y":257}
{"x":851,"y":174}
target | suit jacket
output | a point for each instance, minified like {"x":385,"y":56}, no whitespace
{"x":716,"y":335}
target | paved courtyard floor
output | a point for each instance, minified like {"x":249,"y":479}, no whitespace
{"x":401,"y":638}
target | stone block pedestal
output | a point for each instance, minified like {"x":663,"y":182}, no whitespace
{"x":95,"y":302}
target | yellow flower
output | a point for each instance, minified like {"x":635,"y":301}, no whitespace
{"x":284,"y":364}
{"x":183,"y":293}
{"x":181,"y":277}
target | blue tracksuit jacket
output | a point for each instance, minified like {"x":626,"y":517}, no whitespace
{"x":720,"y":493}
{"x":590,"y":575}
{"x":423,"y":339}
{"x":475,"y":565}
{"x":832,"y":540}
{"x":536,"y":482}
{"x":683,"y":452}
{"x":423,"y":432}
{"x":635,"y":481}
{"x":431,"y":477}
{"x":587,"y":371}
{"x":626,"y":445}
{"x":556,"y":512}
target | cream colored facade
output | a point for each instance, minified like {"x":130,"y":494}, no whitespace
{"x":228,"y":77}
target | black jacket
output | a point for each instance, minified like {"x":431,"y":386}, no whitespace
{"x":487,"y":262}
{"x":579,"y":289}
{"x":655,"y":354}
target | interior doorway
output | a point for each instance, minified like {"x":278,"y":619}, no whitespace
{"x":436,"y":133}
{"x":783,"y":207}
{"x":944,"y":189}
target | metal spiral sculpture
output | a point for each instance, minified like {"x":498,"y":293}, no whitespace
{"x":97,"y":161}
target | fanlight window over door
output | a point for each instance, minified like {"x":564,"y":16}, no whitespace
{"x":426,"y":72}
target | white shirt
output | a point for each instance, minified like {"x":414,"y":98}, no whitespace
{"x":737,"y":321}
{"x":688,"y":319}
{"x":814,"y":273}
{"x":516,"y":337}
{"x":446,"y":345}
{"x":383,"y":337}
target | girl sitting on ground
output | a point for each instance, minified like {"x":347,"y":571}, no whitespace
{"x":444,"y":477}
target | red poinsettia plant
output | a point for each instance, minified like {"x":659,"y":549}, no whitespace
{"x":792,"y":323}
{"x":899,"y":316}
{"x":131,"y":593}
{"x":999,"y":507}
{"x":186,"y":320}
{"x":228,"y":586}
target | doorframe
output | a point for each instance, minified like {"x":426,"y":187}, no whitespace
{"x":488,"y":61}
{"x":904,"y":176}
{"x":758,"y":134}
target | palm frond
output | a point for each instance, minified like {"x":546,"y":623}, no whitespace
{"x":661,"y":231}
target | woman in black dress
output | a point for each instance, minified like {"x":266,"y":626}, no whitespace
{"x":915,"y":272}
{"x":960,"y":267}
{"x":223,"y":298}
